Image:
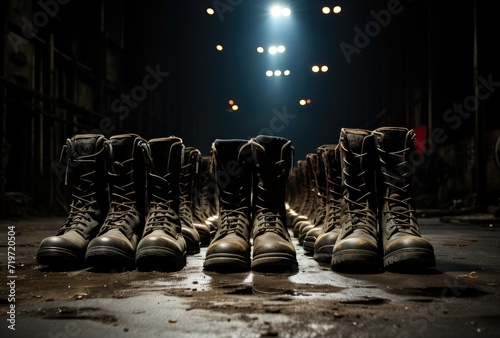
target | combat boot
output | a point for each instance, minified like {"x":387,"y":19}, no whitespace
{"x":357,"y":245}
{"x":89,"y":203}
{"x":189,"y":229}
{"x":230,"y":248}
{"x":403,"y":244}
{"x":272,"y":245}
{"x":326,"y":239}
{"x":162,"y":246}
{"x":115,"y":245}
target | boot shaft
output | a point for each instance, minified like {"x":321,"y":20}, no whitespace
{"x":358,"y":164}
{"x":85,"y":163}
{"x":189,"y":169}
{"x":233,"y":174}
{"x":273,"y":158}
{"x":394,"y":148}
{"x":126,"y":171}
{"x":164,"y":161}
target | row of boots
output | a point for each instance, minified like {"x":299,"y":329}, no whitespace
{"x":351,"y":204}
{"x":150,"y":203}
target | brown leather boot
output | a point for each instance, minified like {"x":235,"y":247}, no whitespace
{"x":272,"y":245}
{"x":402,"y":241}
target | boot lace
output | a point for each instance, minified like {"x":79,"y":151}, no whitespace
{"x":162,"y":216}
{"x":362,"y":217}
{"x":122,"y":207}
{"x":401,"y":210}
{"x":84,"y":205}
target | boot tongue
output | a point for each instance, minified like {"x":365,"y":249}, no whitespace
{"x":393,"y":139}
{"x":123,"y":147}
{"x":166,"y":154}
{"x":227,"y":153}
{"x":85,"y":145}
{"x":355,"y":140}
{"x":274,"y":150}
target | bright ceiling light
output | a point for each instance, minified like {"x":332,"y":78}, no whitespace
{"x":269,"y":73}
{"x":286,"y":72}
{"x":302,"y":102}
{"x":281,"y":49}
{"x":277,"y":72}
{"x":337,"y":9}
{"x":231,"y":102}
{"x":286,"y":11}
{"x":275,"y":11}
{"x":273,"y":50}
{"x":219,"y":47}
{"x":308,"y":101}
{"x":315,"y":69}
{"x":324,"y":69}
{"x":235,"y":107}
{"x":210,"y":11}
{"x":260,"y":50}
{"x":326,"y":10}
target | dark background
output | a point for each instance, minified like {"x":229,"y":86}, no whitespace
{"x":66,"y":78}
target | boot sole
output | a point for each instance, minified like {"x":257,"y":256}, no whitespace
{"x":226,"y":262}
{"x":159,"y":258}
{"x":309,"y":244}
{"x":275,"y":261}
{"x":58,"y":257}
{"x":192,"y":247}
{"x":324,"y":253}
{"x":356,"y":260}
{"x":103,"y":257}
{"x":410,"y":258}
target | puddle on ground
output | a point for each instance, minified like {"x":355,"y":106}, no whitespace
{"x":64,"y":312}
{"x":366,"y":301}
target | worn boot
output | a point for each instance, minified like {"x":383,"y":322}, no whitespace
{"x":326,"y":239}
{"x":197,"y":200}
{"x":357,"y":244}
{"x":401,"y":238}
{"x":272,"y":245}
{"x":115,"y":245}
{"x":230,"y":248}
{"x":189,"y":229}
{"x":162,"y":246}
{"x":89,"y":205}
{"x":309,"y":234}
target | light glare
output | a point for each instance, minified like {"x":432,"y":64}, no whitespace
{"x":337,"y":9}
{"x":277,"y":72}
{"x":219,"y":47}
{"x":286,"y":72}
{"x":269,"y":73}
{"x":275,"y":11}
{"x":315,"y":69}
{"x":235,"y":107}
{"x":260,"y":50}
{"x":210,"y":11}
{"x":273,"y":50}
{"x":324,"y":69}
{"x":286,"y":11}
{"x":281,"y":49}
{"x":302,"y":102}
{"x":326,"y":10}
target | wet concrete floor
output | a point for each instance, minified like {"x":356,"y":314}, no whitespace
{"x":459,"y":298}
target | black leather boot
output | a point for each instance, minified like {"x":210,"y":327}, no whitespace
{"x":357,"y":246}
{"x":402,"y":241}
{"x":326,"y":239}
{"x":162,"y":246}
{"x":89,"y":205}
{"x":189,"y":229}
{"x":230,"y":248}
{"x":272,"y":245}
{"x":115,"y":245}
